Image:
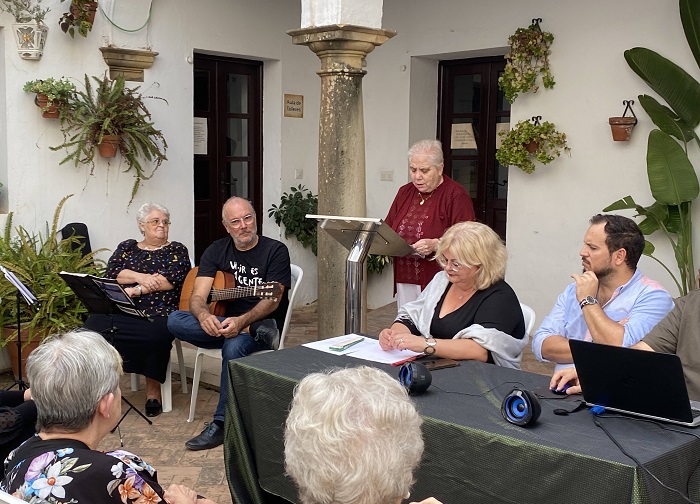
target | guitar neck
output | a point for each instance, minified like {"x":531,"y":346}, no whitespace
{"x":234,"y":293}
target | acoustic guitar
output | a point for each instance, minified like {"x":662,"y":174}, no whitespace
{"x":224,"y":289}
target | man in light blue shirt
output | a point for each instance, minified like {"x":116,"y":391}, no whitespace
{"x":611,"y":302}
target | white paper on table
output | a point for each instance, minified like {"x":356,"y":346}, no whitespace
{"x":373,"y":352}
{"x":323,"y":345}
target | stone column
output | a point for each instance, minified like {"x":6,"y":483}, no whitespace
{"x":341,"y":152}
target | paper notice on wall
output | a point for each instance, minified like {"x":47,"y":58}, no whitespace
{"x":499,"y":138}
{"x":462,"y":136}
{"x":200,"y":135}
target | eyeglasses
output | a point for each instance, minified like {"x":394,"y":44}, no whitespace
{"x":453,"y":264}
{"x":156,"y":222}
{"x":236,"y":223}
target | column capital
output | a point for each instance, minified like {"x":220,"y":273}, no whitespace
{"x":341,"y":42}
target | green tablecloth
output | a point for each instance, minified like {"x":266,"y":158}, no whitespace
{"x":471,"y":454}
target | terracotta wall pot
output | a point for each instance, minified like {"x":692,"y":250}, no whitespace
{"x":27,"y":348}
{"x":109,"y":146}
{"x":622,"y":127}
{"x":531,"y":147}
{"x":92,"y":9}
{"x":52,"y":111}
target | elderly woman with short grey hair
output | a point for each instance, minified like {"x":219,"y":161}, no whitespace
{"x":152,"y":272}
{"x":75,"y":384}
{"x":352,"y":436}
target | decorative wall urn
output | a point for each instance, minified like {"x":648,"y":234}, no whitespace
{"x":30,"y":39}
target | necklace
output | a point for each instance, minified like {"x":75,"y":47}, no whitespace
{"x":422,"y":199}
{"x":151,"y":249}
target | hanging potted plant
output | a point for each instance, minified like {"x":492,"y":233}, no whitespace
{"x":29,"y":27}
{"x":527,"y":60}
{"x":80,"y":17}
{"x":111,"y":111}
{"x":621,"y":127}
{"x":531,"y":140}
{"x":50,"y":94}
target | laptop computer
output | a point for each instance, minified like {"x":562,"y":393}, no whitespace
{"x":634,"y":382}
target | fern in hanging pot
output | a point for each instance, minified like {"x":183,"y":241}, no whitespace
{"x":108,"y":108}
{"x":529,"y":141}
{"x":527,"y":60}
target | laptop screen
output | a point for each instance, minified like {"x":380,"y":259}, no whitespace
{"x":635,"y":381}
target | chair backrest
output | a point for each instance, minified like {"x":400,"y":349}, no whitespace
{"x":80,"y":231}
{"x":6,"y":498}
{"x":529,"y":316}
{"x":297,"y":275}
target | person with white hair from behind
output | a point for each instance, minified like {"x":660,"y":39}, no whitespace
{"x":353,"y":436}
{"x":75,"y":385}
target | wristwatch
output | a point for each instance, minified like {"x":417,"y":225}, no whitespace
{"x":430,"y":348}
{"x":588,"y":300}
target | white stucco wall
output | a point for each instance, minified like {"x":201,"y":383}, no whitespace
{"x":255,"y":30}
{"x":548,"y":210}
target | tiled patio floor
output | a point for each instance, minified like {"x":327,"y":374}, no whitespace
{"x":162,"y":444}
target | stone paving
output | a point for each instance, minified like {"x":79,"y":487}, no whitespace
{"x":162,"y":444}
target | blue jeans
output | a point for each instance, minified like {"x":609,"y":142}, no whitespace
{"x":184,"y":326}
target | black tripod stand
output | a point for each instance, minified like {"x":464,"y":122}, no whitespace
{"x":22,"y":292}
{"x":104,"y":296}
{"x":109,"y":336}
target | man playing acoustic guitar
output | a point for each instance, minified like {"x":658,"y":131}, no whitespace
{"x":250,"y":324}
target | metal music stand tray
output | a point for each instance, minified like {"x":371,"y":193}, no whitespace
{"x":361,"y":236}
{"x":104,"y":296}
{"x":22,"y":292}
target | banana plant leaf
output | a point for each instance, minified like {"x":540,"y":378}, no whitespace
{"x":690,"y":19}
{"x":666,"y":119}
{"x":672,"y":179}
{"x":676,"y":86}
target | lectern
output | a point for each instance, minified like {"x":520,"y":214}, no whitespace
{"x":361,"y":236}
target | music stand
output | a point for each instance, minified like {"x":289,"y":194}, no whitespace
{"x":104,"y":296}
{"x":361,"y":236}
{"x":22,"y":292}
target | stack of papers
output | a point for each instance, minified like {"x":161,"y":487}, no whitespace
{"x":367,"y":349}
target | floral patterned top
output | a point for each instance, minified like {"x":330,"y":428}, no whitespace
{"x":63,"y":471}
{"x":171,"y":261}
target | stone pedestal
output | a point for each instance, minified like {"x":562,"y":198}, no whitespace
{"x":341,"y":152}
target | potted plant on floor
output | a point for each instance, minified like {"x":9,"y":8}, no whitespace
{"x":292,"y":211}
{"x":527,"y":60}
{"x":36,"y":258}
{"x":80,"y":17}
{"x":110,"y":111}
{"x":531,"y":140}
{"x":30,"y":30}
{"x":50,"y":94}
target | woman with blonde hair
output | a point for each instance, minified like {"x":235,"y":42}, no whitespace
{"x":468,"y":311}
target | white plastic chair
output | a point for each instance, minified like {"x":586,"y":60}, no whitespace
{"x":297,"y":275}
{"x":166,"y":389}
{"x":529,"y":316}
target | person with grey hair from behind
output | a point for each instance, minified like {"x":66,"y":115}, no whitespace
{"x":75,"y":384}
{"x":353,"y":436}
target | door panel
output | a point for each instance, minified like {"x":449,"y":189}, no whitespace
{"x":470,"y":106}
{"x":228,"y":96}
